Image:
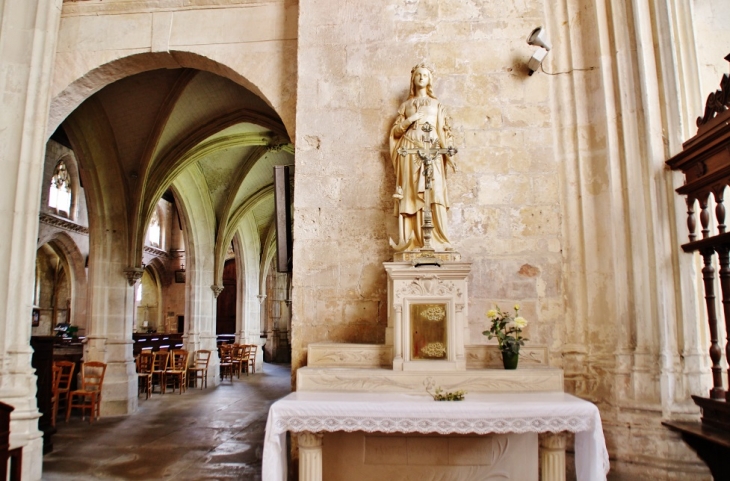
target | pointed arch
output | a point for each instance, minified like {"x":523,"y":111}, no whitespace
{"x":236,"y":218}
{"x":66,"y":248}
{"x":74,"y":92}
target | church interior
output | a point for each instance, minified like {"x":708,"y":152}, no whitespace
{"x":206,"y":171}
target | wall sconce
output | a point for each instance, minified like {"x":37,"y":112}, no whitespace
{"x":538,"y":38}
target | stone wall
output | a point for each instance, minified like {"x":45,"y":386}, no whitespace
{"x":354,"y":71}
{"x":562,"y":202}
{"x":713,"y":41}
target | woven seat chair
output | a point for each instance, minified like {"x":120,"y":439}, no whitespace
{"x":89,"y":396}
{"x":177,"y":369}
{"x":145,"y":362}
{"x":56,"y":379}
{"x":252,"y":357}
{"x":199,"y":369}
{"x":226,"y":364}
{"x":160,"y":362}
{"x":64,"y":382}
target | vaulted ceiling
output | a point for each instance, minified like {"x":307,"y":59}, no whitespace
{"x":153,"y":126}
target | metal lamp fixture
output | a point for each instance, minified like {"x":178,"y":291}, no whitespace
{"x":538,"y":38}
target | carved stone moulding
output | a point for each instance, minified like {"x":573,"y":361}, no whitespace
{"x":133,"y":274}
{"x":414,"y":256}
{"x":489,"y":356}
{"x":62,"y":223}
{"x":216,"y":290}
{"x":364,"y":356}
{"x":414,"y":382}
{"x":330,"y":354}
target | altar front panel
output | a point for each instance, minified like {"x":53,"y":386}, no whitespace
{"x":363,"y":456}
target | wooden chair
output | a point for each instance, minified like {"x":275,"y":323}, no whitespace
{"x":239,"y":360}
{"x":226,"y":363}
{"x":177,"y":369}
{"x":199,"y":369}
{"x":55,"y":393}
{"x":64,"y":382}
{"x":145,"y":362}
{"x":252,"y":357}
{"x":89,"y":396}
{"x":160,"y":362}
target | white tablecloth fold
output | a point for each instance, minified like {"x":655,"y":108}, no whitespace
{"x":406,"y":413}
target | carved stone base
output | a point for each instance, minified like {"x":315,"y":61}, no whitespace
{"x":479,"y":356}
{"x":411,"y":256}
{"x":362,"y":456}
{"x":385,"y":380}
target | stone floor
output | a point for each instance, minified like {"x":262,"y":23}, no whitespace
{"x":215,"y":433}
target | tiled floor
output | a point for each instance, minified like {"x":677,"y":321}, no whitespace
{"x":215,"y":433}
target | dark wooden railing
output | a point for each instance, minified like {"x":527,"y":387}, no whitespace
{"x":705,"y":163}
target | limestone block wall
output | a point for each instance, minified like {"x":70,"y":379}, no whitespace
{"x":562,"y":202}
{"x":252,"y":44}
{"x":713,"y":41}
{"x":505,"y":217}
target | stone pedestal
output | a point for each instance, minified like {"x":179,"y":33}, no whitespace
{"x":427,"y":315}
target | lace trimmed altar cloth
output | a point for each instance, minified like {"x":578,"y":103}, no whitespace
{"x":479,"y":413}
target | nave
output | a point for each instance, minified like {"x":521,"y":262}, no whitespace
{"x":214,"y":433}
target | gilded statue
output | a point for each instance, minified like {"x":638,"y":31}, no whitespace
{"x":420,"y":149}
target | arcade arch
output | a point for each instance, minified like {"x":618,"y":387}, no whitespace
{"x":207,"y":147}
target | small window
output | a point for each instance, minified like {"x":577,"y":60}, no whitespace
{"x":153,"y":230}
{"x":138,"y":296}
{"x":59,"y":197}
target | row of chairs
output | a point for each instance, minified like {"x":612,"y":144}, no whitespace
{"x":170,"y":368}
{"x":88,"y":397}
{"x":164,"y":366}
{"x":236,"y":358}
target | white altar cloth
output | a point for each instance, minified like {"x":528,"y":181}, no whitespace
{"x":479,"y":413}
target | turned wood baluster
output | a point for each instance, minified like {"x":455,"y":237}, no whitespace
{"x":720,"y":210}
{"x":705,"y":217}
{"x":724,"y":253}
{"x":691,"y":219}
{"x":708,"y":275}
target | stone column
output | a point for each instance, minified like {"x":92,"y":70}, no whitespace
{"x":28,"y":36}
{"x":552,"y":457}
{"x":461,"y":325}
{"x":398,"y":342}
{"x":310,"y":456}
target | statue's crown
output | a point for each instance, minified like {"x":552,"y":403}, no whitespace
{"x":423,"y":65}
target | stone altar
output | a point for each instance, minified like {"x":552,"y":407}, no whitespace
{"x":426,"y":345}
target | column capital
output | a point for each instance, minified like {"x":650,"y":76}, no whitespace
{"x":308,"y":439}
{"x":133,"y":274}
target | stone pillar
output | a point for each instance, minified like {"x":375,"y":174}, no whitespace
{"x":552,"y":457}
{"x":310,"y":456}
{"x":398,"y":342}
{"x":461,"y":329}
{"x":200,"y":303}
{"x":28,"y":36}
